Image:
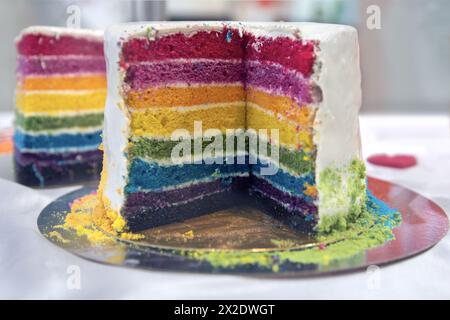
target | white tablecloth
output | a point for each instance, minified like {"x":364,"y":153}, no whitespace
{"x":32,"y":267}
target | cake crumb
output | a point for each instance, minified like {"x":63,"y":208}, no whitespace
{"x":189,"y":235}
{"x":57,"y":236}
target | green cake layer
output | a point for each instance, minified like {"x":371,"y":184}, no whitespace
{"x":297,"y":161}
{"x":42,"y":123}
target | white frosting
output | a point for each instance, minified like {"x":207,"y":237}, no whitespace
{"x":337,"y":73}
{"x":94,"y":35}
{"x":336,"y":125}
{"x":56,"y":132}
{"x":116,"y":125}
{"x":60,"y":150}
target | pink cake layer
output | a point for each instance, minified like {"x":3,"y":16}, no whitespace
{"x":294,"y":54}
{"x":62,"y":65}
{"x":40,"y":44}
{"x":225,"y":44}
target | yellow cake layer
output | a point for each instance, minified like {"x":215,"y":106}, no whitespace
{"x":290,"y":133}
{"x":161,"y":122}
{"x":184,"y":96}
{"x":53,"y":102}
{"x":303,"y":115}
{"x":63,"y":82}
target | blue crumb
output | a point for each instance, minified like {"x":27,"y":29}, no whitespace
{"x":229,"y":36}
{"x":390,"y":217}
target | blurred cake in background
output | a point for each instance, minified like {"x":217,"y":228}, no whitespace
{"x":60,"y":97}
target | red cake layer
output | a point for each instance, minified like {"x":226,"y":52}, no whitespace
{"x":293,"y":54}
{"x":225,"y":44}
{"x":40,"y":44}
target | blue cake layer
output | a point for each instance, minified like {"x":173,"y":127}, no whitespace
{"x":284,"y":181}
{"x":65,"y":140}
{"x":145,"y":175}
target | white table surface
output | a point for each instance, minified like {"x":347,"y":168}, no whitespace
{"x":32,"y":267}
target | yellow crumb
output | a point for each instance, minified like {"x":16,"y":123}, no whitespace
{"x":56,"y":235}
{"x":189,"y":234}
{"x":131,"y":236}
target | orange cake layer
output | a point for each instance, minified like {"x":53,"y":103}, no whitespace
{"x":302,"y":115}
{"x":184,"y":96}
{"x":78,"y":82}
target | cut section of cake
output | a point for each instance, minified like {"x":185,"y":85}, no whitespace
{"x":60,"y":98}
{"x":205,"y":115}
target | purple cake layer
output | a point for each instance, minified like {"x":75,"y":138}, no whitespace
{"x":269,"y":77}
{"x":34,"y":174}
{"x":61,"y":65}
{"x":144,"y":75}
{"x":56,"y":160}
{"x":294,"y":204}
{"x":157,"y":200}
{"x":279,"y":80}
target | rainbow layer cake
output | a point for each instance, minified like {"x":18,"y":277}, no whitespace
{"x":201,"y":116}
{"x":60,"y":98}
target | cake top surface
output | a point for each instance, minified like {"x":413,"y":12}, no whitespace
{"x":306,"y":30}
{"x":95,"y":35}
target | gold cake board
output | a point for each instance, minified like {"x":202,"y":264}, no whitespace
{"x":245,"y":230}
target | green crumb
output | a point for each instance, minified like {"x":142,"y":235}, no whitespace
{"x":230,"y":259}
{"x":343,"y":195}
{"x":283,"y":243}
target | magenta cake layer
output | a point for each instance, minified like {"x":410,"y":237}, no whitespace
{"x":268,"y":77}
{"x":60,"y":65}
{"x":292,"y":203}
{"x":293,"y":54}
{"x":40,"y":44}
{"x":225,"y":44}
{"x":142,"y":76}
{"x":278,"y":80}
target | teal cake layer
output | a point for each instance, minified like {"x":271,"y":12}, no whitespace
{"x":43,"y":142}
{"x":144,"y":176}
